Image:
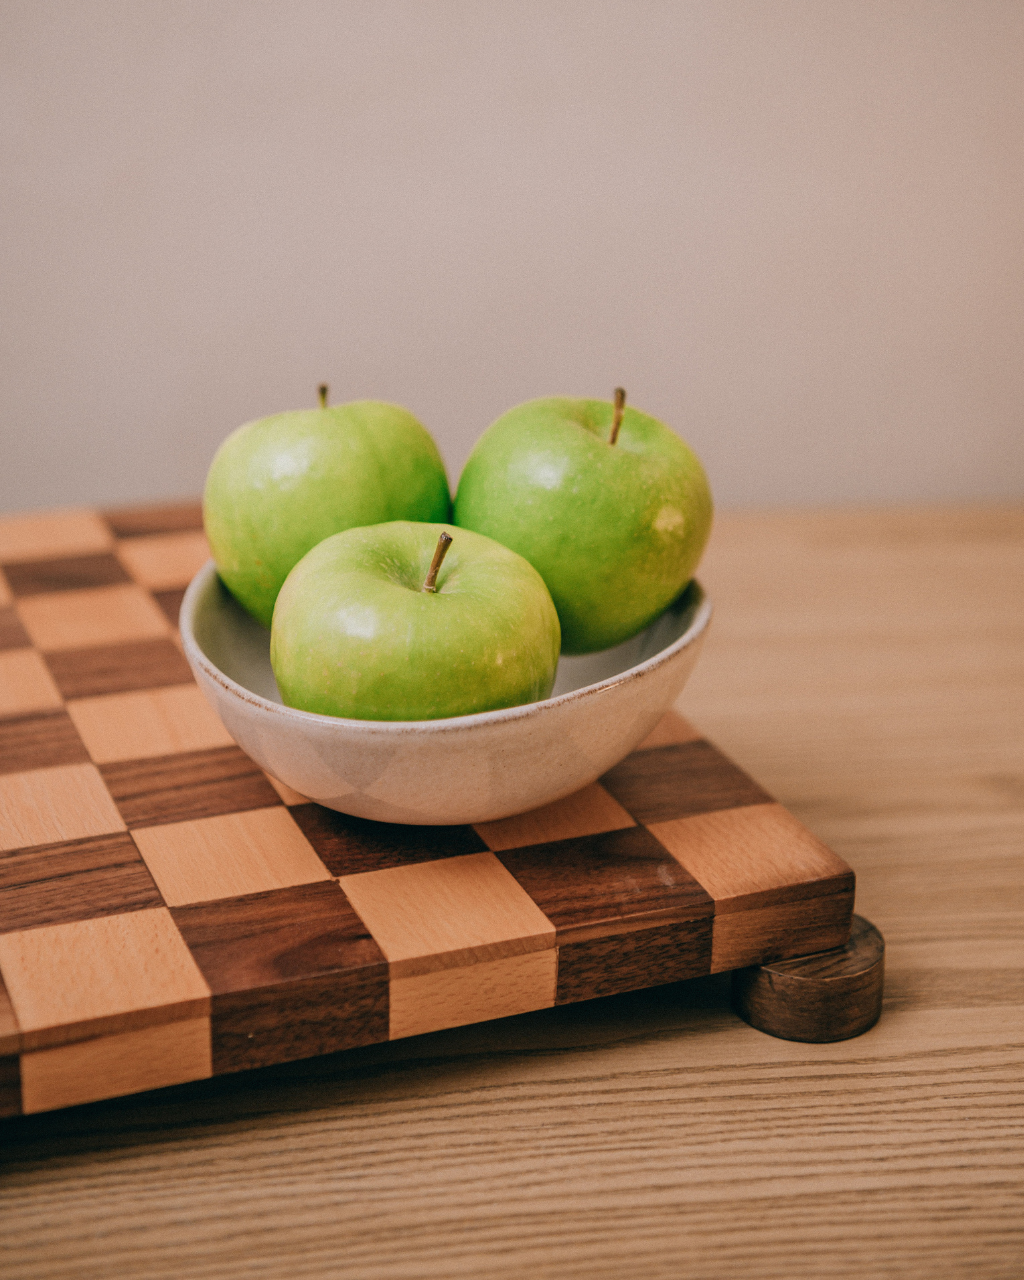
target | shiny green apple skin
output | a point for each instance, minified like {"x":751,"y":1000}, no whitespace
{"x":280,"y":485}
{"x":616,"y":531}
{"x":355,"y":635}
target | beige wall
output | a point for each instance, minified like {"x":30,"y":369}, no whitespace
{"x":793,"y":229}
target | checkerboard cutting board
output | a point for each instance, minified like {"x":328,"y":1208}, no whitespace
{"x":169,"y":912}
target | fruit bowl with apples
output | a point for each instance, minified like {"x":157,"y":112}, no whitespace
{"x":431,"y":670}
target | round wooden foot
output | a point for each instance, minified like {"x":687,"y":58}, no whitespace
{"x":833,"y":995}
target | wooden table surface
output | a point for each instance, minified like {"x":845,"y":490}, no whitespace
{"x":866,"y":667}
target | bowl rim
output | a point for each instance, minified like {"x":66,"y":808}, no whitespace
{"x":450,"y":724}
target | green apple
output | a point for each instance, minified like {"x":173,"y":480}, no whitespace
{"x":372,"y":625}
{"x":608,"y":505}
{"x":280,"y":485}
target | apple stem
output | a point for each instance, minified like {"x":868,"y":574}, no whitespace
{"x":620,"y":409}
{"x":322,"y":391}
{"x":440,"y":551}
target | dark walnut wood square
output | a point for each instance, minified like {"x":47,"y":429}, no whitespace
{"x":74,"y":880}
{"x":10,"y":1086}
{"x":349,"y":845}
{"x":10,"y":1036}
{"x":597,"y":885}
{"x":627,"y":915}
{"x":12,"y":634}
{"x":634,"y":960}
{"x":679,"y":781}
{"x":294,"y":972}
{"x":118,"y":668}
{"x":195,"y":784}
{"x":39,"y":741}
{"x":37,"y":577}
{"x":169,"y":517}
{"x":170,"y":603}
{"x":10,"y":1063}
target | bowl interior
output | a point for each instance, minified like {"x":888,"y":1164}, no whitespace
{"x":239,"y":646}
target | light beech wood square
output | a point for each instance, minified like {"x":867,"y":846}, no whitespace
{"x":586,"y":813}
{"x":97,"y":615}
{"x":114,"y":1065}
{"x":165,"y":560}
{"x":748,"y":850}
{"x":118,"y":971}
{"x":474,"y":993}
{"x":228,"y":856}
{"x":48,"y":805}
{"x":670,"y":731}
{"x":438,"y":915}
{"x":25,"y":683}
{"x":154,"y":722}
{"x":51,"y":534}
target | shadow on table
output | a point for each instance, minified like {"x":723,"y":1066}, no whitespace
{"x":443,"y":1061}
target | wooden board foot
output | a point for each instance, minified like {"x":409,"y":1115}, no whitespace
{"x":833,"y":995}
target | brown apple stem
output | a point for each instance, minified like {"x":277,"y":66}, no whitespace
{"x":440,"y":551}
{"x":323,"y":390}
{"x":620,"y":409}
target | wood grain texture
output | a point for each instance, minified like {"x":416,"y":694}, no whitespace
{"x":350,"y":845}
{"x":67,"y":573}
{"x":818,"y":999}
{"x":118,"y":668}
{"x":111,"y":1065}
{"x":868,"y":669}
{"x":587,"y":813}
{"x":267,"y":939}
{"x":228,"y":856}
{"x":628,"y":961}
{"x":197,"y":784}
{"x":664,"y":783}
{"x":325,"y":1014}
{"x":74,"y":880}
{"x":441,"y":915}
{"x":45,"y":806}
{"x":151,"y":722}
{"x":622,"y":907}
{"x":293,"y":973}
{"x":474,"y":993}
{"x":41,"y":740}
{"x":608,"y":884}
{"x":25,"y":683}
{"x":76,"y":981}
{"x":753,"y":856}
{"x":794,"y":928}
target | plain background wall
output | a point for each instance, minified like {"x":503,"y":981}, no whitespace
{"x":793,"y":230}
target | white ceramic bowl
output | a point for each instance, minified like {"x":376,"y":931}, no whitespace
{"x":464,"y":769}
